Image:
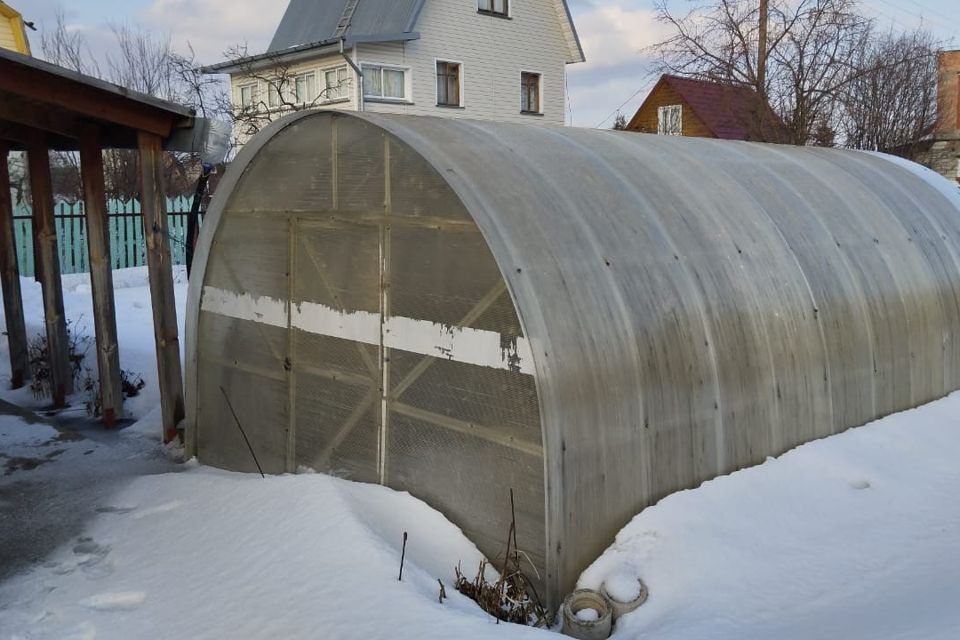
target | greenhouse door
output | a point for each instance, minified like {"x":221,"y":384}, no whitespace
{"x":338,"y":362}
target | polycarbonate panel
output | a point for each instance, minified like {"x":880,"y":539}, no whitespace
{"x":685,"y":307}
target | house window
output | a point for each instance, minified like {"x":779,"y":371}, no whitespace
{"x":384,"y":82}
{"x":336,"y":82}
{"x":670,"y":120}
{"x":448,"y":84}
{"x":529,"y":92}
{"x":304,"y":88}
{"x":273,"y":93}
{"x":248,"y":94}
{"x":494,"y":7}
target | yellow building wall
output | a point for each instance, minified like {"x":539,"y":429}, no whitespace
{"x":12,"y":33}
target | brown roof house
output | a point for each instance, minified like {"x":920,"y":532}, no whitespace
{"x":700,"y":108}
{"x":941,"y":151}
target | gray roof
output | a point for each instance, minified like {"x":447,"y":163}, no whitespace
{"x":315,"y":21}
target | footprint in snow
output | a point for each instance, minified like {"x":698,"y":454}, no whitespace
{"x":90,"y":558}
{"x":115,"y":601}
{"x":115,"y":509}
{"x":860,"y":485}
{"x":162,"y":508}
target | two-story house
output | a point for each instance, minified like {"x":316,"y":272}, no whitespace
{"x":483,"y":59}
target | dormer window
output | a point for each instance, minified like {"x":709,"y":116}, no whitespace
{"x":494,"y":7}
{"x":670,"y":120}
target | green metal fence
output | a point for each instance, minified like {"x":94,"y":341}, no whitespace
{"x":127,"y":246}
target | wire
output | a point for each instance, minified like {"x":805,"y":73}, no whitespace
{"x":617,"y":110}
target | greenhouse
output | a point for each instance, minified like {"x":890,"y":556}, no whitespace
{"x":593,"y":319}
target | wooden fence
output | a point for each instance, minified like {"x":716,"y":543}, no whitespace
{"x":127,"y":246}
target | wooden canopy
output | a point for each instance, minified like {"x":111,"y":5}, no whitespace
{"x":44,"y":107}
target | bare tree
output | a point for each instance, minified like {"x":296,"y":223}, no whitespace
{"x":143,"y":62}
{"x":814,"y":52}
{"x":275,"y":91}
{"x":891,"y":108}
{"x":67,"y":48}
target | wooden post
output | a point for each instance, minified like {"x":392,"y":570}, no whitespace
{"x":10,"y":282}
{"x":48,"y":270}
{"x":762,"y":50}
{"x":160,"y":269}
{"x":101,"y":276}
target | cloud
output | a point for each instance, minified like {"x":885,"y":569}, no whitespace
{"x":212,"y":26}
{"x":616,"y":33}
{"x":616,"y":37}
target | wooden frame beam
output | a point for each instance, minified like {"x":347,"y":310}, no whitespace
{"x":101,"y":276}
{"x":85,"y":100}
{"x":48,"y":271}
{"x":153,"y":208}
{"x":44,"y":117}
{"x":10,"y":282}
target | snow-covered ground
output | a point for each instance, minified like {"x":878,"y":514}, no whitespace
{"x":107,"y":535}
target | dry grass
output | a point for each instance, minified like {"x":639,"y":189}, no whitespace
{"x":512,"y":598}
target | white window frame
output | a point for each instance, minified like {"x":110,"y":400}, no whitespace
{"x":254,"y":88}
{"x":436,"y":93}
{"x":273,"y":89}
{"x":343,"y":86}
{"x":508,"y":5}
{"x":407,"y":83}
{"x":665,"y":119}
{"x":539,"y":75}
{"x":297,"y":99}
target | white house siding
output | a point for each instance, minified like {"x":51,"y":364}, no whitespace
{"x":493,"y":52}
{"x":318,"y":66}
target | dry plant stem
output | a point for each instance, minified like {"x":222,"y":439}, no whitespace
{"x":403,"y":554}
{"x":243,"y":433}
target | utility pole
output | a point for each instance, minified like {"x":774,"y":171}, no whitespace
{"x":762,"y":51}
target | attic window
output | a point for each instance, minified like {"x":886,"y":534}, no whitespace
{"x":336,"y":82}
{"x":494,"y":7}
{"x":670,"y":120}
{"x":248,"y":94}
{"x":305,"y":88}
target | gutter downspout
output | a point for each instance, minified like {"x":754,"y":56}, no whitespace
{"x":357,"y":69}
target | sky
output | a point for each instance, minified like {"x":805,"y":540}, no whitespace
{"x":615,"y":35}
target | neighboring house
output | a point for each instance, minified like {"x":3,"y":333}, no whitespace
{"x":941,"y":151}
{"x":699,"y":108}
{"x":13,"y":35}
{"x":481,"y":59}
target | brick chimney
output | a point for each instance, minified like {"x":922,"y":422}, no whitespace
{"x":948,"y":95}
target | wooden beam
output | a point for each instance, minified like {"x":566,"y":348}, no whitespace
{"x":160,"y":269}
{"x":101,"y":277}
{"x":10,"y":282}
{"x":48,"y":265}
{"x":38,"y":116}
{"x":83,"y":99}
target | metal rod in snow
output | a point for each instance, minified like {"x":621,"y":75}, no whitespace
{"x":250,"y":447}
{"x":403,"y":554}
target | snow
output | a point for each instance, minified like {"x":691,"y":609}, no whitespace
{"x":853,"y":536}
{"x":622,"y":585}
{"x":108,"y":535}
{"x":588,"y":615}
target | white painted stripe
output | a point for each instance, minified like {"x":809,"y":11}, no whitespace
{"x":460,"y":344}
{"x":244,"y":306}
